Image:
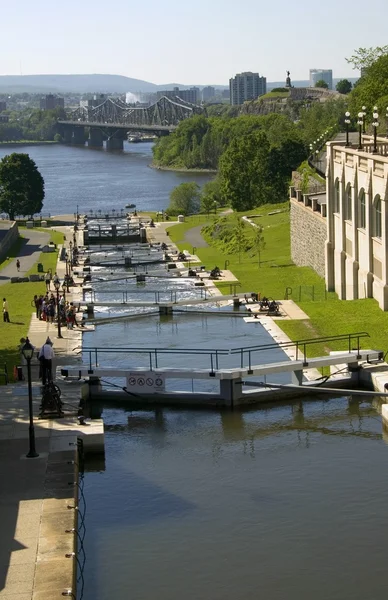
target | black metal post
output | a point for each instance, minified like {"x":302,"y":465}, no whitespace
{"x":360,"y":123}
{"x":58,"y":314}
{"x":375,"y":125}
{"x":363,"y":119}
{"x":386,"y":119}
{"x":31,"y":431}
{"x":347,"y":123}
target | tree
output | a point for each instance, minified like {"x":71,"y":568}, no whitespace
{"x":211,"y":196}
{"x":184,"y":199}
{"x":344,"y":86}
{"x":363,"y":58}
{"x":258,"y":242}
{"x":371,"y":89}
{"x":321,"y":84}
{"x":21,"y":186}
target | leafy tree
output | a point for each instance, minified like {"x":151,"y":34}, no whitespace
{"x":184,"y":199}
{"x":258,"y":242}
{"x":344,"y":86}
{"x":21,"y":186}
{"x":211,"y":196}
{"x":363,"y":58}
{"x":321,"y":84}
{"x":372,"y":88}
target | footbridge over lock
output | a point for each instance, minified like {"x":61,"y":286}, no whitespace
{"x":111,"y":121}
{"x":149,"y":370}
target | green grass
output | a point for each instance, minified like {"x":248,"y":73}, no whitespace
{"x":328,"y":315}
{"x":273,"y":95}
{"x":19,"y":297}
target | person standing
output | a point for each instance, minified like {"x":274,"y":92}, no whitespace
{"x":46,"y":356}
{"x":47,"y":279}
{"x":18,"y":264}
{"x":5,"y":311}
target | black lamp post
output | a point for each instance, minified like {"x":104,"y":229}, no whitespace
{"x":386,"y":119}
{"x":375,"y":125}
{"x":363,"y":108}
{"x":71,"y":253}
{"x":57,"y":285}
{"x":28,"y":351}
{"x":347,"y":123}
{"x":215,"y":206}
{"x":360,"y":124}
{"x":67,"y":273}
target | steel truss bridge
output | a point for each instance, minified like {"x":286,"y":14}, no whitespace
{"x":162,"y":117}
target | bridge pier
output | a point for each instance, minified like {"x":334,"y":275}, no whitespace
{"x":67,"y":135}
{"x":96,"y":138}
{"x":115,"y":143}
{"x":78,"y":136}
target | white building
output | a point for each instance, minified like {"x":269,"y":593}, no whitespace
{"x":246,"y":86}
{"x":357,"y":221}
{"x":325,"y":75}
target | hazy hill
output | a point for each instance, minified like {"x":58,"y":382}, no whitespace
{"x":99,"y":83}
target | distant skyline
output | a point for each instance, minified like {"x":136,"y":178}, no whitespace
{"x":204,"y":42}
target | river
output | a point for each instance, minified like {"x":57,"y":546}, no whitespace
{"x":277,"y":502}
{"x":94,"y":179}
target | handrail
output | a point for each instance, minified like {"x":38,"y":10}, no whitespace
{"x":214,"y":354}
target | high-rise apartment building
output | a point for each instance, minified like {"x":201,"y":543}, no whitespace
{"x":192,"y":95}
{"x":207,"y":93}
{"x":325,"y":75}
{"x":246,"y":86}
{"x":49,"y":102}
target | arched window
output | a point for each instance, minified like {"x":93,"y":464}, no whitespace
{"x":377,"y":220}
{"x":336,"y":204}
{"x":348,"y":203}
{"x":361,"y":210}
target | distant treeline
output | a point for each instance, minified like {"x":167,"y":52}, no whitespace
{"x":31,"y":124}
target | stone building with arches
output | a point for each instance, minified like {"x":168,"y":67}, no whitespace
{"x":356,"y":248}
{"x":342,"y":232}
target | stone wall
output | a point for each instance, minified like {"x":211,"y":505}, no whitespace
{"x":308,"y":237}
{"x":9,"y":233}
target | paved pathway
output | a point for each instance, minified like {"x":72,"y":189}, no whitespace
{"x":28,"y":255}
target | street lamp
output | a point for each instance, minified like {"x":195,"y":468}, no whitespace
{"x":360,"y":124}
{"x":215,"y":206}
{"x":28,"y":351}
{"x":67,"y":277}
{"x":386,"y":118}
{"x":57,"y":285}
{"x":71,"y":252}
{"x":375,"y":125}
{"x":347,"y":123}
{"x":363,"y":108}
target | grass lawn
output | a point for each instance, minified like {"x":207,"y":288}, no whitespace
{"x":276,"y":274}
{"x":19,"y":297}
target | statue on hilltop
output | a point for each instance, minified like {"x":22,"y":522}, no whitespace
{"x":288,"y":80}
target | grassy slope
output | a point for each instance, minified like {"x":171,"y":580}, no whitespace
{"x":19,"y":296}
{"x":328,"y":315}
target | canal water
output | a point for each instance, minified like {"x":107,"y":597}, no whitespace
{"x":283,"y":502}
{"x":94,"y":179}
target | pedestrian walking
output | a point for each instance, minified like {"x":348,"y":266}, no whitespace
{"x":47,"y":279}
{"x":5,"y":311}
{"x":55,"y":279}
{"x":46,"y":356}
{"x":18,"y":264}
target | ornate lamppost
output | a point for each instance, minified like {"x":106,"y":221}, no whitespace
{"x":347,"y":123}
{"x":363,"y":108}
{"x":360,"y":124}
{"x":375,"y":125}
{"x":67,"y":277}
{"x":28,"y":351}
{"x":57,"y":285}
{"x":71,"y":253}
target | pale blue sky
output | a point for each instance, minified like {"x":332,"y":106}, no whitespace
{"x":202,"y":41}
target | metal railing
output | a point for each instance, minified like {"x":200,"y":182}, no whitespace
{"x":160,"y":296}
{"x":247,"y":353}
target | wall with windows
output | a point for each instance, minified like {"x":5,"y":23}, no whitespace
{"x":357,"y":236}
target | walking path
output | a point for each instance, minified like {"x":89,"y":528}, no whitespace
{"x":35,"y":492}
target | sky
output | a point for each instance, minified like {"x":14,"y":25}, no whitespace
{"x":196,"y":42}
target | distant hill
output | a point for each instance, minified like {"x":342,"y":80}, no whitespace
{"x":35,"y":84}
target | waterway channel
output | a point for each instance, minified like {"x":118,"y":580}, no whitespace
{"x":276,"y":502}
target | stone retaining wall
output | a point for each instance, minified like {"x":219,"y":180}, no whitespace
{"x":308,"y":237}
{"x":8,"y":238}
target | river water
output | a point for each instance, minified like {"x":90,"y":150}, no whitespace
{"x":281,"y":502}
{"x":94,"y":179}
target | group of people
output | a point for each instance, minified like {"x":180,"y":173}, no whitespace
{"x":47,"y":309}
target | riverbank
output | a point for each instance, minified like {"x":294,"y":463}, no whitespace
{"x":182,"y":169}
{"x":30,"y":143}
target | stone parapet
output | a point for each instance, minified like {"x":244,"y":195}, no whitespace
{"x":308,"y":235}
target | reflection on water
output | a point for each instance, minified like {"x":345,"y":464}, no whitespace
{"x":281,"y":502}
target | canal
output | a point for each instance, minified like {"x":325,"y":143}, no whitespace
{"x":277,"y":502}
